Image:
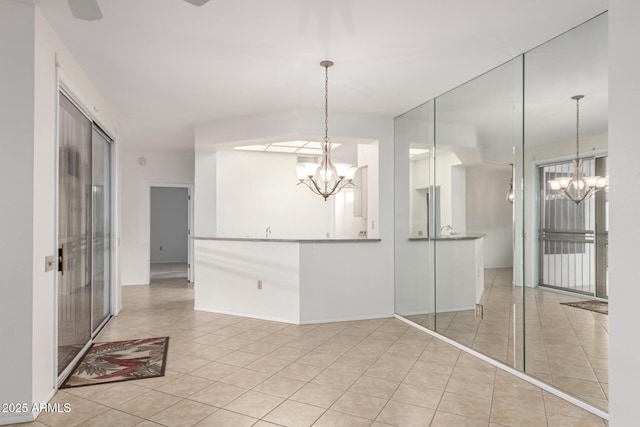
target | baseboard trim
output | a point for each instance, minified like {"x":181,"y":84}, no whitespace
{"x":26,"y":417}
{"x":346,"y":319}
{"x":251,"y":316}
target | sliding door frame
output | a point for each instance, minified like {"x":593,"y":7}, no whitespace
{"x":537,"y":247}
{"x":66,"y":88}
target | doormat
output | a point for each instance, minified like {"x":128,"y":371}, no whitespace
{"x":601,"y":307}
{"x":120,"y":361}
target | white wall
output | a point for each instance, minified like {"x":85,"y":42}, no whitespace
{"x":445,"y":162}
{"x":17,"y":28}
{"x":29,"y":88}
{"x":169,"y":224}
{"x":259,"y":190}
{"x":204,"y":194}
{"x":368,"y":156}
{"x":339,"y":281}
{"x":458,"y":199}
{"x":488,"y":212}
{"x":160,"y":168}
{"x":347,"y":226}
{"x":624,"y":235}
{"x":419,"y":182}
{"x":228,"y":274}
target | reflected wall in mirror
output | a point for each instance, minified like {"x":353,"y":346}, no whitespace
{"x":414,"y":220}
{"x":567,"y":346}
{"x":478,"y":133}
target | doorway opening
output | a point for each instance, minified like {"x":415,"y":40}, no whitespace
{"x":169,"y":233}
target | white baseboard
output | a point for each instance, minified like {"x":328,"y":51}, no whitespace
{"x":299,"y":322}
{"x":346,"y":319}
{"x":252,"y":316}
{"x":27,"y":417}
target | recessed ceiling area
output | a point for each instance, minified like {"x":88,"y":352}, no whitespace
{"x":292,"y":147}
{"x":166,"y":66}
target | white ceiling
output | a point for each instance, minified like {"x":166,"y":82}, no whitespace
{"x":165,"y":66}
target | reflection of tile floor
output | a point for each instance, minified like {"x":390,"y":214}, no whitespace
{"x":565,"y":346}
{"x":234,"y":371}
{"x":168,"y":270}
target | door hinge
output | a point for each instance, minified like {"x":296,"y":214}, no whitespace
{"x":189,"y":197}
{"x":188,"y":265}
{"x":189,"y":232}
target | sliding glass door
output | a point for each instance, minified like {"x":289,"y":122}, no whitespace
{"x":84,"y":230}
{"x":74,"y":232}
{"x":101,"y":227}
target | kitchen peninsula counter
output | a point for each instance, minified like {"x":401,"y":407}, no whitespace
{"x":461,"y":236}
{"x":459,"y":269}
{"x":294,"y":280}
{"x":257,"y":239}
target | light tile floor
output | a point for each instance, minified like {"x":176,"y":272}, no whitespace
{"x":566,"y":347}
{"x":235,"y":371}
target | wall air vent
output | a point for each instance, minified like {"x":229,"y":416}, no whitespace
{"x":307,"y":159}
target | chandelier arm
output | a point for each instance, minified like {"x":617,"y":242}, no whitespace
{"x":310,"y":187}
{"x":317,"y":188}
{"x":333,"y":190}
{"x":585,"y":196}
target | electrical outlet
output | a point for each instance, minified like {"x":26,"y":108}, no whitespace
{"x":259,"y":285}
{"x":373,"y":225}
{"x":419,"y":233}
{"x":328,"y":235}
{"x":479,"y":311}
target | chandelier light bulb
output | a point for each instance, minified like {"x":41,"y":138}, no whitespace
{"x":602,"y":182}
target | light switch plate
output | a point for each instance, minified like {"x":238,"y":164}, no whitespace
{"x":48,"y":263}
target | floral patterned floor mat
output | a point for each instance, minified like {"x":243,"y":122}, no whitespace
{"x":120,"y":361}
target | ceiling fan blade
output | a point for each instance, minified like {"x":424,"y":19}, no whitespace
{"x":87,"y":10}
{"x":197,"y":2}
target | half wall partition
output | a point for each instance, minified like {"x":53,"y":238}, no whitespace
{"x":471,"y":192}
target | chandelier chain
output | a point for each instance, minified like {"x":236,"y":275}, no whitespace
{"x":326,"y":104}
{"x":577,"y":129}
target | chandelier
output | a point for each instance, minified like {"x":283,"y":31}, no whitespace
{"x":325,"y":178}
{"x":578,"y":187}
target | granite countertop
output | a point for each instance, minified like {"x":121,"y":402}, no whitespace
{"x":461,"y":236}
{"x":256,"y":239}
